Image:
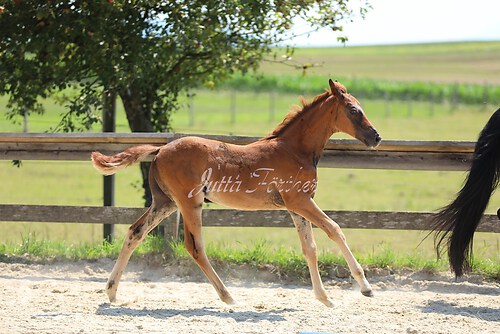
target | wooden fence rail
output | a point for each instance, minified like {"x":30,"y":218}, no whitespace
{"x":340,"y":153}
{"x":222,"y":217}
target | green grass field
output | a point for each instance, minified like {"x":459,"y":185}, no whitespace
{"x":447,"y":62}
{"x":76,"y":183}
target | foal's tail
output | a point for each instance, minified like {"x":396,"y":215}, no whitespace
{"x":108,"y":165}
{"x":456,"y":223}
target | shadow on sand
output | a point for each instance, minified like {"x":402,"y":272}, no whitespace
{"x":446,"y":308}
{"x":252,"y":316}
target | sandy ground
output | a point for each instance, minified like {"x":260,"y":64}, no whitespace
{"x":70,"y":298}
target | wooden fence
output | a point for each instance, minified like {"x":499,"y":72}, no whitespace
{"x":410,"y":155}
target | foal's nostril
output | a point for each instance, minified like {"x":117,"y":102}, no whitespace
{"x":377,"y":136}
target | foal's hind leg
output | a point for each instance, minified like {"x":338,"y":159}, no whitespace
{"x":135,"y":234}
{"x":306,"y":236}
{"x":194,"y":245}
{"x":161,"y":208}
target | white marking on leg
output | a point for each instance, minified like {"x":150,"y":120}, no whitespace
{"x":306,"y":236}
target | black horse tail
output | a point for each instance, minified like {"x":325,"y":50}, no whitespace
{"x":456,"y":223}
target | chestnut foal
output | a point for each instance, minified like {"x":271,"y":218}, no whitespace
{"x":278,"y":171}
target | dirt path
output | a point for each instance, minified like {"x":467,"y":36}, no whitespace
{"x":69,"y":298}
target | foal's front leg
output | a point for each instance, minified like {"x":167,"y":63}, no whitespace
{"x":306,"y":236}
{"x":310,"y":211}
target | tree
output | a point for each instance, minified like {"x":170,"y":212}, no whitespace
{"x":144,"y":51}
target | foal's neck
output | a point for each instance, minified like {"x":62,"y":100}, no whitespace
{"x":309,"y":133}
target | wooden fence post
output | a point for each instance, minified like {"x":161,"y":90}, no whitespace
{"x":387,"y":104}
{"x":431,"y":104}
{"x":486,"y":95}
{"x":454,"y":97}
{"x":410,"y":106}
{"x":233,"y":107}
{"x":191,"y":109}
{"x":272,"y":105}
{"x":25,"y":122}
{"x":109,"y":125}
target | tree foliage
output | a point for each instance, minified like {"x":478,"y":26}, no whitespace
{"x":145,"y":51}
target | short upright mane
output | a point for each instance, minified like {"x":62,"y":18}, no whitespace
{"x":296,"y":112}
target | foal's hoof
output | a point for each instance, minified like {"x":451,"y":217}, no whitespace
{"x":229,"y":300}
{"x":111,"y":296}
{"x":327,"y":302}
{"x":368,"y":293}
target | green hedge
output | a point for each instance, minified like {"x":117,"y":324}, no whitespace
{"x":370,"y":89}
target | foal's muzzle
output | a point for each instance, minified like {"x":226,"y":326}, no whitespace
{"x":371,"y":137}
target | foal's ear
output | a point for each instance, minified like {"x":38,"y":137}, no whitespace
{"x":335,"y":89}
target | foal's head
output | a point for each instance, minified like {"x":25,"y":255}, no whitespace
{"x":351,"y":118}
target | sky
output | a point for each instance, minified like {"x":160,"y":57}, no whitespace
{"x":415,"y":21}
